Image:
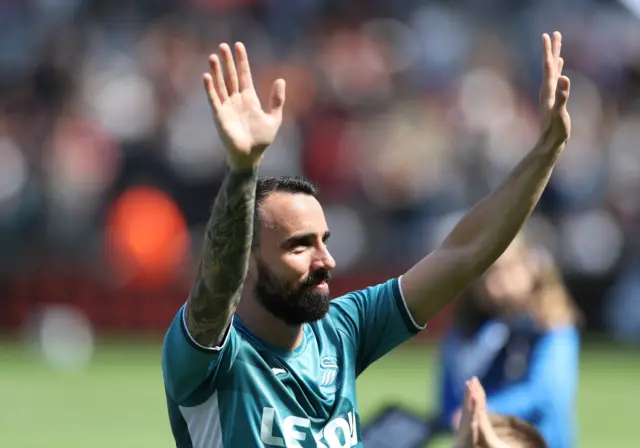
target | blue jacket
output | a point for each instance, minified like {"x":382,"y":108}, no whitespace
{"x":525,"y":372}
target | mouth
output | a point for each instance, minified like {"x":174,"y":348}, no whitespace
{"x":323,"y":286}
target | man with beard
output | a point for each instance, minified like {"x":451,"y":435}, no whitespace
{"x":259,"y":355}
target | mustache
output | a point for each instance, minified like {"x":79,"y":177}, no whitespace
{"x":317,"y":277}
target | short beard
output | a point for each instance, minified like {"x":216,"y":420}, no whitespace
{"x":294,"y":306}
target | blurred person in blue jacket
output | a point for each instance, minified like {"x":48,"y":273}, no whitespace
{"x":517,"y":330}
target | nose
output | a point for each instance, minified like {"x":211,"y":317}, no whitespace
{"x":324,"y":260}
{"x":329,"y":262}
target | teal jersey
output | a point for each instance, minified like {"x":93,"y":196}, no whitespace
{"x":246,"y":393}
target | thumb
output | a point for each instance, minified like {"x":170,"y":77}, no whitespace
{"x":562,"y":92}
{"x":276,"y":98}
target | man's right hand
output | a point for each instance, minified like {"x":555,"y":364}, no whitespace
{"x":245,"y":128}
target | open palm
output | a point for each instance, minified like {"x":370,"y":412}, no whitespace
{"x":245,"y":128}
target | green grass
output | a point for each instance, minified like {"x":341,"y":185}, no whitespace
{"x":119,"y":402}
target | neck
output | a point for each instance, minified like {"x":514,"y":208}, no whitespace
{"x":267,"y":327}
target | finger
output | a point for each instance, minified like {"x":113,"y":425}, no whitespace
{"x":231,"y":76}
{"x":244,"y":70}
{"x":560,"y":65}
{"x":466,"y":403}
{"x":475,"y":433}
{"x":482,"y":393}
{"x":472,"y":405}
{"x":212,"y":95}
{"x":479,"y":394}
{"x":475,"y":424}
{"x":547,"y":53}
{"x":548,"y":73}
{"x":459,"y":419}
{"x":562,"y":92}
{"x":218,"y":77}
{"x":557,"y":45}
{"x":465,"y":413}
{"x":474,"y":388}
{"x":277,"y":97}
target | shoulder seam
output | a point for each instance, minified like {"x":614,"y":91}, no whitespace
{"x":195,"y":344}
{"x":412,"y":325}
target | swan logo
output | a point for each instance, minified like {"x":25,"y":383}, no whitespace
{"x":329,"y":371}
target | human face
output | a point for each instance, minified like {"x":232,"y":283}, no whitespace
{"x":292,"y":265}
{"x":509,"y":283}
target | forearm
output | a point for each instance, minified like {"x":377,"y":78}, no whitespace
{"x":480,"y":237}
{"x":224,"y":262}
{"x":489,"y":227}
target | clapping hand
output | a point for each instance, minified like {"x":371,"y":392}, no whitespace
{"x":475,"y":430}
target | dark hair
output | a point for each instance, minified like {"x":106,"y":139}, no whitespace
{"x":284,"y":184}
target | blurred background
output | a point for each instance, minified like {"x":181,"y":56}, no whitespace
{"x":405,"y":113}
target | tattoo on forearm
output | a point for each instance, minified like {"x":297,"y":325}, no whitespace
{"x":223,"y":267}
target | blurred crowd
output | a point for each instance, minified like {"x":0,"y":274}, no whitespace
{"x":404,"y":113}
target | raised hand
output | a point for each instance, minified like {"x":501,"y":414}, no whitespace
{"x":245,"y":128}
{"x":554,"y":92}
